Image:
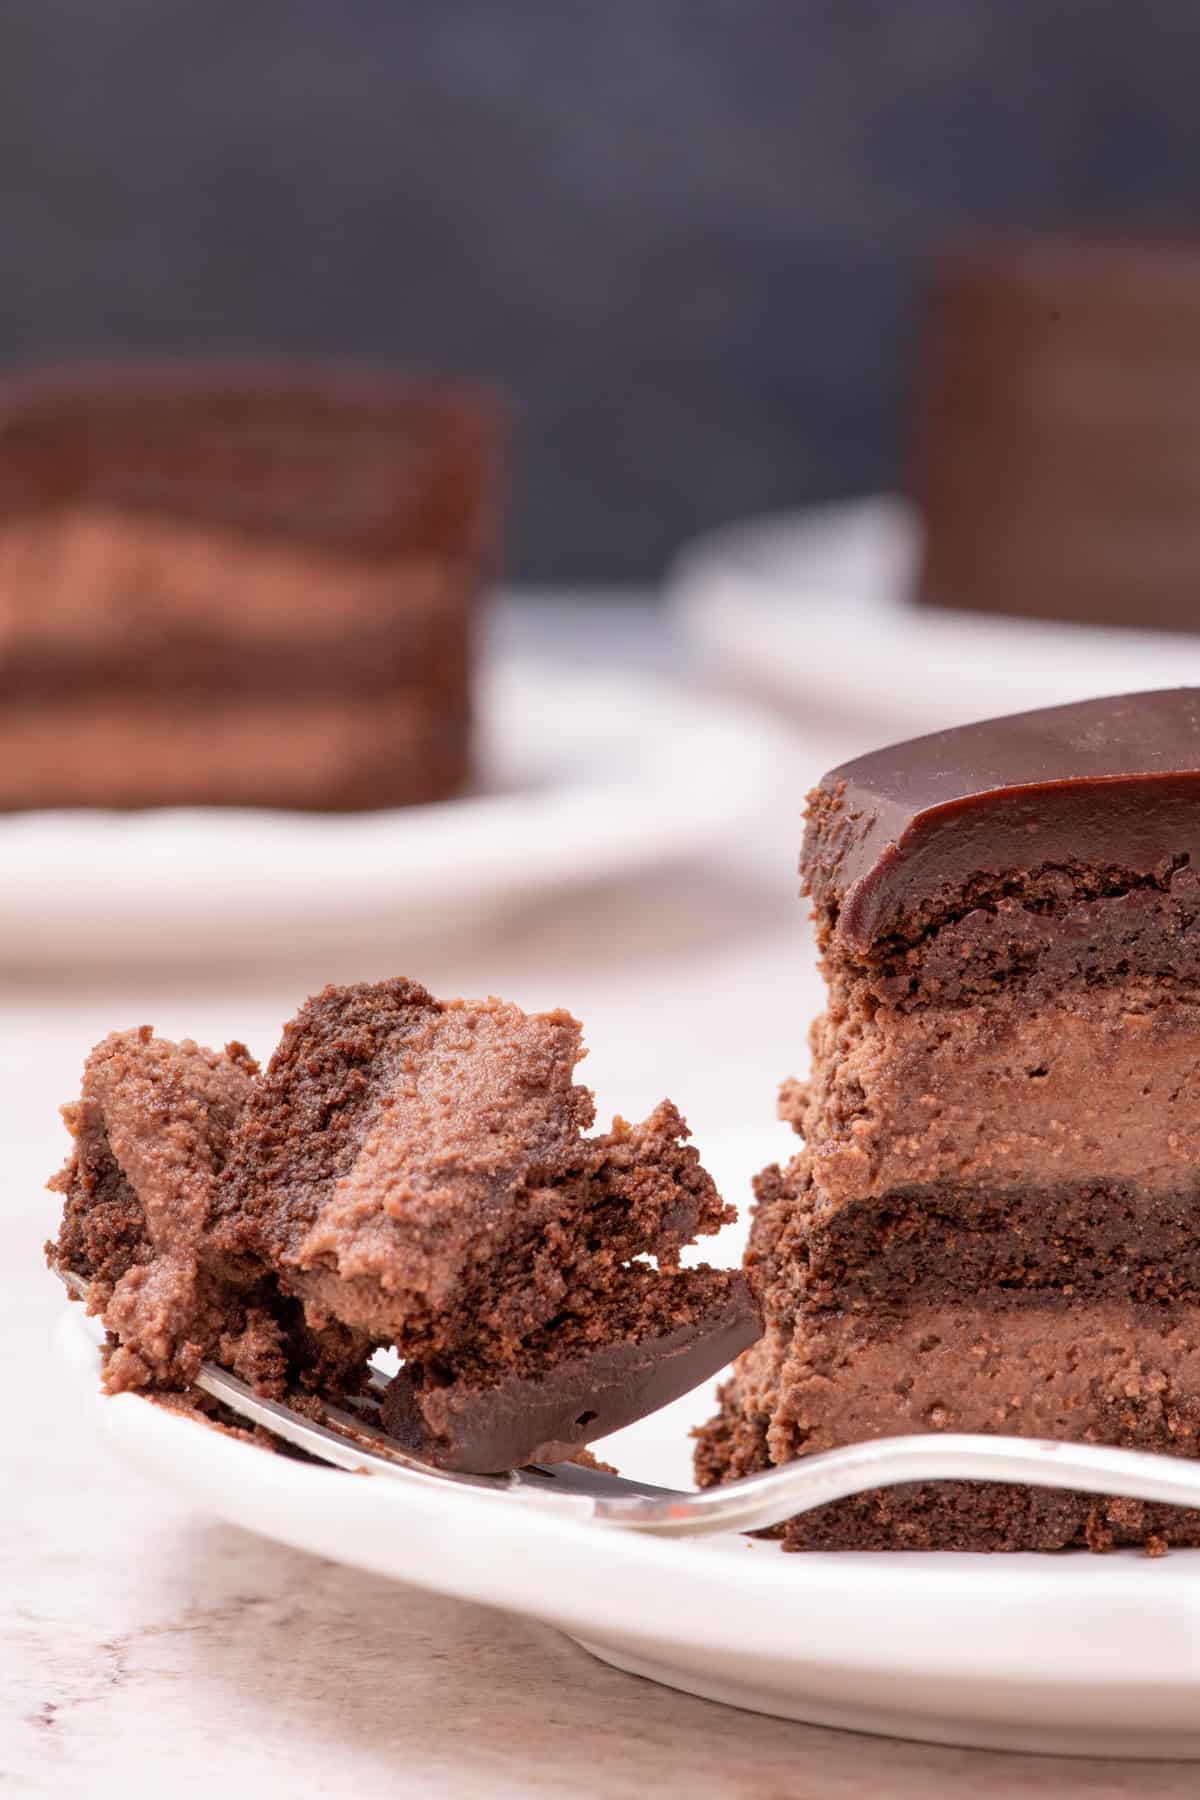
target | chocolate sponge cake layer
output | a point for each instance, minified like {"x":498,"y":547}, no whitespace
{"x":993,"y":1225}
{"x":379,"y":660}
{"x":1058,"y":928}
{"x":990,"y":1246}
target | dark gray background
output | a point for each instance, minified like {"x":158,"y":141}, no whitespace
{"x":685,"y":235}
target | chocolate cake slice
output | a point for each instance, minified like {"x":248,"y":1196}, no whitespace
{"x":238,"y":585}
{"x":407,"y":1172}
{"x":152,"y":1130}
{"x":417,"y":1170}
{"x":994,"y":1224}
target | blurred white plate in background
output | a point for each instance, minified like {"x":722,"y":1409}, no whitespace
{"x":584,"y":774}
{"x":816,"y":609}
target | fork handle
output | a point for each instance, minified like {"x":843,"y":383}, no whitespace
{"x":756,"y":1501}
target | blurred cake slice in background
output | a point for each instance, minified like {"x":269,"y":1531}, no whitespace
{"x":239,"y":586}
{"x":1057,"y":464}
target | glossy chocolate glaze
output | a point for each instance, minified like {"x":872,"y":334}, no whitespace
{"x":906,"y":835}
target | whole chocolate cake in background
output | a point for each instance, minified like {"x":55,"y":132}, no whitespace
{"x":994,"y":1223}
{"x":238,"y":585}
{"x":1057,"y":457}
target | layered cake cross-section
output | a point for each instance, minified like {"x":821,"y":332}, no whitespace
{"x":994,"y":1222}
{"x":239,"y":585}
{"x":407,"y":1173}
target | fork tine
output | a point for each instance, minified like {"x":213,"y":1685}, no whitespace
{"x":352,"y":1443}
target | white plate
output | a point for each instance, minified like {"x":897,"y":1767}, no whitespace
{"x":585,"y":774}
{"x":1075,"y":1653}
{"x":816,"y":608}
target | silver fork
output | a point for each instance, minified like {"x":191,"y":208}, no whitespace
{"x":349,"y":1441}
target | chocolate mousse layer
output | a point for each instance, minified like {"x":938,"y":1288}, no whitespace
{"x":993,"y":1224}
{"x":1092,"y":1371}
{"x":1101,"y":1081}
{"x":976,"y":1516}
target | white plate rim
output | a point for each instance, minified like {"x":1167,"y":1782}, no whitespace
{"x":1081,"y":1654}
{"x":815,"y":608}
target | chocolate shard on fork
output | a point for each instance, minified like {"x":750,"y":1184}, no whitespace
{"x":994,"y":1223}
{"x":652,"y":1338}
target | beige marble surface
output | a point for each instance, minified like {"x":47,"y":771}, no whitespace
{"x":146,"y":1649}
